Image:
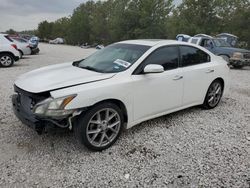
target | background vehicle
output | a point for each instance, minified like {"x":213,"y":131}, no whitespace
{"x":57,"y":41}
{"x":8,"y":51}
{"x":237,"y":57}
{"x":23,"y":47}
{"x":99,"y":47}
{"x":231,"y":39}
{"x":33,"y":42}
{"x":183,"y":37}
{"x":121,"y":85}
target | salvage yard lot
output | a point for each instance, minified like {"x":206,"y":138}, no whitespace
{"x":193,"y":147}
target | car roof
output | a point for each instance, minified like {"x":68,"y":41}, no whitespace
{"x":152,"y":42}
{"x":227,"y":34}
{"x":3,"y":34}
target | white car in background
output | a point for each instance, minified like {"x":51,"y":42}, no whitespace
{"x":8,"y":51}
{"x":57,"y":41}
{"x":23,"y":48}
{"x":118,"y":87}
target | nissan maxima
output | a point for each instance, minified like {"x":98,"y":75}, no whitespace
{"x":118,"y":87}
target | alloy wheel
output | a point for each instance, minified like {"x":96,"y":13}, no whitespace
{"x":6,"y":61}
{"x":214,"y":94}
{"x":103,"y":127}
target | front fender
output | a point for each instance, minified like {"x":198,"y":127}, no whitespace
{"x":92,"y":93}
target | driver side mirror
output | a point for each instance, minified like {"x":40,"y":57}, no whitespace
{"x":153,"y":68}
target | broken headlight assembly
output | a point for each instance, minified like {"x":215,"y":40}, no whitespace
{"x":54,"y":107}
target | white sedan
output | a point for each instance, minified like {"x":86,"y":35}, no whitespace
{"x":118,"y":87}
{"x":23,"y":47}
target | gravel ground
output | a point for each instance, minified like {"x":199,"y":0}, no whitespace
{"x":190,"y":148}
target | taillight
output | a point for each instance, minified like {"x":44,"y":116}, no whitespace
{"x":14,"y":46}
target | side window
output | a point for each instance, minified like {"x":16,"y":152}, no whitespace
{"x":168,"y":57}
{"x":192,"y":56}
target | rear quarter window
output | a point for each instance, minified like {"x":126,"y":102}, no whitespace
{"x":192,"y":56}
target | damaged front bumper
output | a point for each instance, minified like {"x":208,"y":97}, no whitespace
{"x":23,"y":104}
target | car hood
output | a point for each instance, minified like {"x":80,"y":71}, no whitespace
{"x":236,"y":49}
{"x":58,"y":76}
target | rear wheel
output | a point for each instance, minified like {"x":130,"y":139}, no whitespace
{"x":100,"y":127}
{"x":6,"y":60}
{"x":213,"y":95}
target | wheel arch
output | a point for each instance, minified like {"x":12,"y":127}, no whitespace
{"x":119,"y":103}
{"x":221,"y":80}
{"x":6,"y":52}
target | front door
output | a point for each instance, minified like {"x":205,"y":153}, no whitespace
{"x":157,"y":93}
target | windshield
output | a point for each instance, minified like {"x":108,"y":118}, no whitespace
{"x":114,"y":58}
{"x":221,"y":43}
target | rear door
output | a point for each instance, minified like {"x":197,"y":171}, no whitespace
{"x":198,"y":73}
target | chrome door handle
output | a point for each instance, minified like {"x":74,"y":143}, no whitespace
{"x":209,"y":71}
{"x":177,"y":77}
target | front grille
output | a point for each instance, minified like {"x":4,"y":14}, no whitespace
{"x":28,"y":100}
{"x":247,"y":56}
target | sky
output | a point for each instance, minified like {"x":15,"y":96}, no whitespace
{"x":26,"y":14}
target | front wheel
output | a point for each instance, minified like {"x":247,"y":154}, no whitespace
{"x":213,"y":95}
{"x":100,"y":127}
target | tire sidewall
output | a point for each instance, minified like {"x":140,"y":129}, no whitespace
{"x":82,"y":121}
{"x":206,"y":105}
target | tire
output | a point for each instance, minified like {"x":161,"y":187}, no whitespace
{"x":21,"y":53}
{"x":6,"y":60}
{"x":214,"y":94}
{"x":99,"y":127}
{"x":225,"y":57}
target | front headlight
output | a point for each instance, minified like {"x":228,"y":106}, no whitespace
{"x":54,"y":107}
{"x":238,"y":55}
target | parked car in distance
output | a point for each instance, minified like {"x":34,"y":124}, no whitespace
{"x":57,"y":41}
{"x":183,"y":37}
{"x":23,"y":47}
{"x":99,"y":47}
{"x":230,"y":38}
{"x":118,"y":87}
{"x":8,"y":51}
{"x":237,"y":57}
{"x":33,"y":42}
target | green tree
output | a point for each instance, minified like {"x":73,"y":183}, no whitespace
{"x":45,"y":30}
{"x":11,"y":32}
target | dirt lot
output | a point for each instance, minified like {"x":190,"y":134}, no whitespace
{"x":191,"y":148}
